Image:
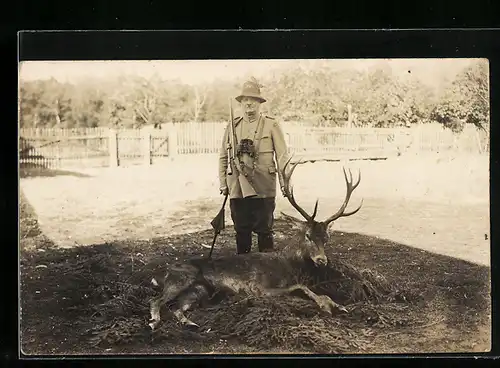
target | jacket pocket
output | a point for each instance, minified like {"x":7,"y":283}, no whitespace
{"x":265,"y":144}
{"x":272,"y":170}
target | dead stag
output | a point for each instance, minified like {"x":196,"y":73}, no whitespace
{"x":256,"y":274}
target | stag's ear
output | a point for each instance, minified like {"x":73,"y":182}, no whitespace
{"x":329,"y":227}
{"x":295,"y":222}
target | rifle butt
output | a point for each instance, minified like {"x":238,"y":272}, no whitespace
{"x":247,"y":189}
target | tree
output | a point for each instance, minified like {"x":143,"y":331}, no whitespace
{"x":200,"y":98}
{"x":140,"y":97}
{"x":87,"y":106}
{"x":217,"y":102}
{"x":466,"y":100}
{"x":46,"y":103}
{"x":29,"y":96}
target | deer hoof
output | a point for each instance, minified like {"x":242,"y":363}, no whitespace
{"x":153,"y":324}
{"x":338,"y":307}
{"x":328,"y":305}
{"x":191,"y":324}
{"x":343,"y":309}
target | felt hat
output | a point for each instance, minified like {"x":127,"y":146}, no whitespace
{"x":251,"y":89}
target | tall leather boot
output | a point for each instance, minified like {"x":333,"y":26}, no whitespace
{"x":243,"y":242}
{"x":266,"y":242}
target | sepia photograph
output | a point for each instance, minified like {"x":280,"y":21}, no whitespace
{"x":260,"y":206}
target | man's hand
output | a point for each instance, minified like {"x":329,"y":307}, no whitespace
{"x":224,"y":191}
{"x":283,"y":191}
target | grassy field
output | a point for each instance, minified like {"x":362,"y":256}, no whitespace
{"x":424,"y":227}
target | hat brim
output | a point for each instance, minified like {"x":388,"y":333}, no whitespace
{"x":261,"y":99}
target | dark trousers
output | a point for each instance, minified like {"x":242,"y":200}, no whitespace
{"x":253,"y":215}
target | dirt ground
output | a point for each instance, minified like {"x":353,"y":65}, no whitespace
{"x":93,"y":299}
{"x":433,"y":202}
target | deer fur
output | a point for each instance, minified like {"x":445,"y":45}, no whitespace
{"x":258,"y":274}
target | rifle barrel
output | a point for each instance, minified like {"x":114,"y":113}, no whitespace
{"x":231,"y":139}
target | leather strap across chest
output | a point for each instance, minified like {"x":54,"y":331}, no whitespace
{"x":256,"y":128}
{"x":258,"y":137}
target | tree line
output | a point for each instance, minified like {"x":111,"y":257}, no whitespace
{"x":320,"y":96}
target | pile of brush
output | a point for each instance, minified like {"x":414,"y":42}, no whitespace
{"x":288,"y":322}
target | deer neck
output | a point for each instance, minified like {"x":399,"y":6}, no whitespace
{"x":296,"y":249}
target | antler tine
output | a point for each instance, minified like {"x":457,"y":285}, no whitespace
{"x":294,"y":165}
{"x":289,"y":190}
{"x":350,"y":189}
{"x":359,"y":179}
{"x":315,"y":210}
{"x":345,"y":214}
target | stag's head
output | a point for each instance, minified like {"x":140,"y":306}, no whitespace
{"x":314,"y":235}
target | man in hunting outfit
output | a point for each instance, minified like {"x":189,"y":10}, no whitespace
{"x":262,"y":153}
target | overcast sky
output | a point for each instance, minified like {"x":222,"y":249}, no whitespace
{"x":207,"y":70}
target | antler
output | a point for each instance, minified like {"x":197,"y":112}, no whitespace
{"x":289,"y":191}
{"x":350,"y":189}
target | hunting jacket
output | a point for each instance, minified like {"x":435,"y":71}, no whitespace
{"x":272,"y":156}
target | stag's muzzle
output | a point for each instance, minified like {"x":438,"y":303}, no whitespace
{"x":320,"y":260}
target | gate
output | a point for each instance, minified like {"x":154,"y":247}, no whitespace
{"x":59,"y":148}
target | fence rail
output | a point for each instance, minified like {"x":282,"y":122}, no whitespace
{"x":91,"y":147}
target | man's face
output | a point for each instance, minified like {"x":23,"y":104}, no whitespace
{"x":250,"y":107}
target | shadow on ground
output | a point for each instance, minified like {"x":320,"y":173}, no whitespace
{"x":32,"y":171}
{"x":94,"y":300}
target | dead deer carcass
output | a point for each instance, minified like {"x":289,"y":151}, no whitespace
{"x":256,"y":273}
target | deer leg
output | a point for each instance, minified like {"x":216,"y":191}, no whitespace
{"x":169,"y":292}
{"x":175,"y":281}
{"x":190,"y":298}
{"x":323,"y":301}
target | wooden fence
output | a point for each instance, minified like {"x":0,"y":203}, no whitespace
{"x":94,"y":147}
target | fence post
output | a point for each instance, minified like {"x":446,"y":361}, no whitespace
{"x":113,"y":148}
{"x":172,"y":142}
{"x":146,"y":147}
{"x":288,"y":141}
{"x":349,"y":116}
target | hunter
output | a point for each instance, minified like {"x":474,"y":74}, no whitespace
{"x":262,"y":152}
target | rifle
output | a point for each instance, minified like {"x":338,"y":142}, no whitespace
{"x":246,"y":188}
{"x":230,"y":142}
{"x":218,"y":225}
